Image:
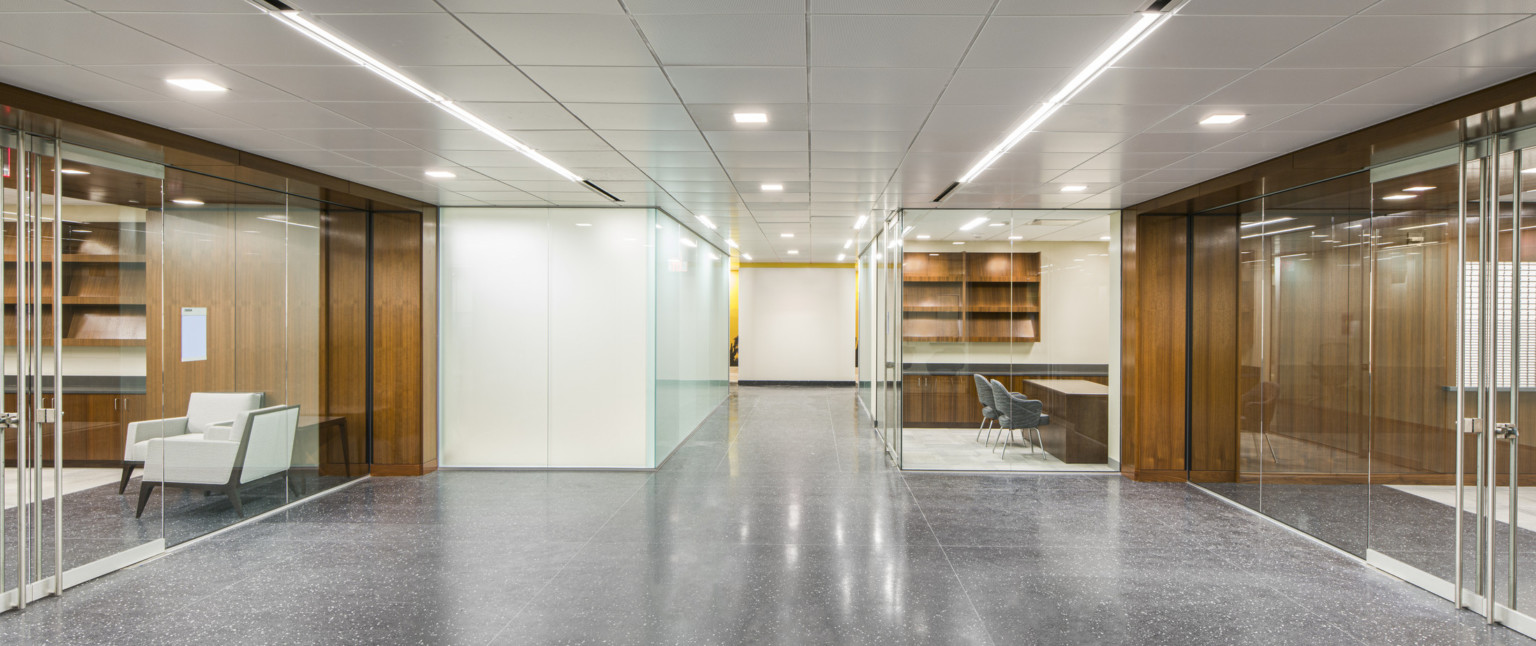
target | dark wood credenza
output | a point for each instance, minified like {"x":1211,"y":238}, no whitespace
{"x":1079,"y":410}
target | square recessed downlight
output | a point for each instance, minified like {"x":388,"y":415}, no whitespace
{"x":747,"y":256}
{"x":1222,"y":119}
{"x":859,"y":223}
{"x":773,"y":187}
{"x":794,"y":252}
{"x":583,"y":224}
{"x":751,"y":117}
{"x":187,"y":201}
{"x":786,"y":235}
{"x":1074,"y":188}
{"x":848,"y":244}
{"x":1106,"y":238}
{"x":197,"y":85}
{"x":440,"y":174}
{"x":841,"y":256}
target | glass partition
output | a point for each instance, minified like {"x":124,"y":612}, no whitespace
{"x":692,"y":366}
{"x":1024,"y":300}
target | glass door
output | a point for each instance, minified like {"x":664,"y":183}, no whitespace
{"x":891,"y":315}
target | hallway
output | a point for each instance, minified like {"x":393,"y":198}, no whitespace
{"x":779,"y":521}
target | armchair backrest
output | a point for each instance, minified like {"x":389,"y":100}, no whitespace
{"x":207,"y":409}
{"x":266,"y":441}
{"x":1024,"y":412}
{"x":999,"y":397}
{"x":983,"y":391}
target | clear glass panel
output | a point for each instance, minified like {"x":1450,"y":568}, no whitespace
{"x":1522,"y":370}
{"x":692,"y":370}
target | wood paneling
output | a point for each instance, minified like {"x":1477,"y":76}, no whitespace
{"x":1158,"y":331}
{"x":344,"y":369}
{"x":1213,"y":424}
{"x":398,"y":374}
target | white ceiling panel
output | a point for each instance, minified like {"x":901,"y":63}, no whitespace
{"x":74,"y":84}
{"x":562,"y":39}
{"x":1390,"y":41}
{"x":877,"y":117}
{"x":898,"y":86}
{"x":563,"y":140}
{"x":524,"y":116}
{"x":633,"y":116}
{"x":1270,"y":86}
{"x":761,"y":140}
{"x":603,"y":84}
{"x":532,"y":6}
{"x":726,"y":39}
{"x":1507,"y":47}
{"x":1269,"y":8}
{"x":263,"y":141}
{"x":890,"y":41}
{"x":1043,"y":41}
{"x":92,"y":39}
{"x":861,"y":141}
{"x":1226,"y":41}
{"x":739,"y":85}
{"x":170,"y":113}
{"x":377,"y":114}
{"x":416,"y":38}
{"x":721,"y":116}
{"x":1336,"y":118}
{"x":478,"y":82}
{"x":231,"y":39}
{"x":1427,"y":85}
{"x":1017,"y":86}
{"x":327,"y":82}
{"x":734,"y":160}
{"x":655,"y":140}
{"x":365,"y":6}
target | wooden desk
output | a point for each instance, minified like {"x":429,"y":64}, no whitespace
{"x":1079,"y":410}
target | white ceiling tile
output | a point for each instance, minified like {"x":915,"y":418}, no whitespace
{"x":1158,"y":86}
{"x":242,"y":88}
{"x":1084,"y":117}
{"x":604,"y":84}
{"x":857,"y":141}
{"x":283,"y":114}
{"x":726,"y":39}
{"x":850,"y":116}
{"x":1410,"y":7}
{"x":1143,"y":161}
{"x":327,"y":83}
{"x":445,"y":141}
{"x":786,"y":176}
{"x":545,"y":140}
{"x":1336,"y":118}
{"x":1507,"y":47}
{"x":734,"y":160}
{"x":74,"y":84}
{"x":1259,"y":116}
{"x":415,"y":38}
{"x":409,"y":157}
{"x":739,"y":85}
{"x":562,"y":39}
{"x":654,"y":159}
{"x":1173,"y":142}
{"x":890,"y":41}
{"x":404,"y":115}
{"x":1225,"y":41}
{"x":1268,"y":8}
{"x":478,"y":82}
{"x":364,"y":6}
{"x":1426,"y":86}
{"x":1295,"y":85}
{"x":950,"y":7}
{"x":12,"y":55}
{"x":1219,"y":161}
{"x":588,"y":158}
{"x":1018,"y":86}
{"x":524,"y":116}
{"x":1043,"y":41}
{"x":346,"y":140}
{"x":1076,"y":7}
{"x":893,"y":85}
{"x":855,"y":160}
{"x":169,"y":114}
{"x":305,"y":158}
{"x":232,"y":39}
{"x":92,"y":40}
{"x":1389,"y":41}
{"x":720,"y":116}
{"x":532,"y":6}
{"x":762,"y":140}
{"x":650,"y":140}
{"x":260,"y":141}
{"x":632,"y":116}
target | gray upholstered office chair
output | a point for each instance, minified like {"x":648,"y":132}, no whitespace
{"x":1024,"y":414}
{"x":988,"y":411}
{"x":999,"y":395}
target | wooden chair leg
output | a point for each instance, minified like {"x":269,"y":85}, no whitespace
{"x":233,"y":492}
{"x":145,"y":489}
{"x":122,"y":486}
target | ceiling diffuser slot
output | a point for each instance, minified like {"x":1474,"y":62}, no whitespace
{"x":946,"y":192}
{"x":599,"y":190}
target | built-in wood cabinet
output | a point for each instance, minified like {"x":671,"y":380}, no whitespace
{"x":103,"y":283}
{"x":976,"y":297}
{"x":950,"y":401}
{"x":94,"y":425}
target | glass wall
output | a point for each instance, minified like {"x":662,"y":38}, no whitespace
{"x":1026,"y":300}
{"x":577,"y":337}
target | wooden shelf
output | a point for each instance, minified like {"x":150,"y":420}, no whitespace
{"x":934,"y":279}
{"x":931,"y":308}
{"x":981,"y":297}
{"x":1004,"y":309}
{"x":934,"y":339}
{"x":1003,"y":339}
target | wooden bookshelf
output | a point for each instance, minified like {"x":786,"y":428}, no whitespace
{"x":983,"y":297}
{"x":103,"y":279}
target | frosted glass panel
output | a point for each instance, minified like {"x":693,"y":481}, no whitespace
{"x":495,"y":337}
{"x":692,"y":326}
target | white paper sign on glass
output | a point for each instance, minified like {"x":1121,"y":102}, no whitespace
{"x":194,"y":334}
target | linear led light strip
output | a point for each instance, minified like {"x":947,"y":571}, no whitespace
{"x":292,"y":18}
{"x":1146,"y":21}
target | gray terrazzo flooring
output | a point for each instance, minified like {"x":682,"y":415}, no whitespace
{"x":778,"y":522}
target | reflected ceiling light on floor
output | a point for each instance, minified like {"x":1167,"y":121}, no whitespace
{"x":74,"y":171}
{"x":751,"y":117}
{"x":1261,"y":223}
{"x":1399,"y":196}
{"x":197,"y":85}
{"x":974,"y":223}
{"x":187,"y":201}
{"x":773,"y":187}
{"x":1418,"y":189}
{"x":1222,"y":119}
{"x":705,"y":221}
{"x":786,"y":235}
{"x":440,"y":174}
{"x":1144,"y":24}
{"x":1270,"y":233}
{"x":859,"y":223}
{"x":1075,"y":188}
{"x":291,"y":17}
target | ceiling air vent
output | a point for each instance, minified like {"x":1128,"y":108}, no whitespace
{"x":1158,"y":5}
{"x":947,"y":191}
{"x":599,"y":190}
{"x":273,"y":4}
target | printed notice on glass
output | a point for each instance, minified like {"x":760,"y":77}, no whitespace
{"x":194,"y":334}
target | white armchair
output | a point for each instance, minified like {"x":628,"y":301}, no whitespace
{"x":204,"y":410}
{"x":257,"y":446}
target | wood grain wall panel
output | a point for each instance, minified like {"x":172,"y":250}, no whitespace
{"x":197,"y":267}
{"x":1160,"y":348}
{"x":260,"y":316}
{"x":345,"y":292}
{"x":398,"y":440}
{"x":1213,"y":396}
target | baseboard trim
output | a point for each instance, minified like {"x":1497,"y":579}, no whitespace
{"x":394,"y":470}
{"x":818,"y":384}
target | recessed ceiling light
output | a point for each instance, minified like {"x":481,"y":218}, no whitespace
{"x":1103,"y":237}
{"x":923,"y":236}
{"x":859,"y":223}
{"x":840,"y":257}
{"x":74,"y":171}
{"x":440,"y":174}
{"x":187,"y":201}
{"x":959,"y":243}
{"x":1015,"y":237}
{"x":1074,"y":188}
{"x":1221,"y":119}
{"x":974,"y":223}
{"x":794,"y":252}
{"x":751,"y":117}
{"x":786,"y":235}
{"x":583,"y":224}
{"x":773,"y":187}
{"x":848,"y":244}
{"x":1399,"y":196}
{"x":995,"y":224}
{"x":705,"y":221}
{"x":1419,"y":189}
{"x":197,"y":85}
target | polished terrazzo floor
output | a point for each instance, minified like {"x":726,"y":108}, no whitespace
{"x":779,"y":522}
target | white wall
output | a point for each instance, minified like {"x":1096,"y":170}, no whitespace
{"x":796,"y":324}
{"x":545,"y":337}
